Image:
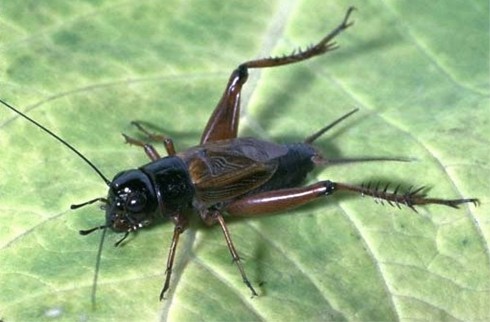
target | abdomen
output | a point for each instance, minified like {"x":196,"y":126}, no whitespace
{"x":292,"y":168}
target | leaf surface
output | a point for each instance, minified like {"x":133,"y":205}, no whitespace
{"x":418,"y":71}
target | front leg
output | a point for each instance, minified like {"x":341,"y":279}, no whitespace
{"x":181,"y":224}
{"x":149,"y":149}
{"x":223,"y":123}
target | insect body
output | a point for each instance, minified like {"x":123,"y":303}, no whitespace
{"x":228,"y":175}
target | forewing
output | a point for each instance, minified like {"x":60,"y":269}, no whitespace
{"x":226,"y":169}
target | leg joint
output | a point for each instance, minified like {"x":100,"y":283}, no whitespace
{"x":329,"y":187}
{"x":242,"y":71}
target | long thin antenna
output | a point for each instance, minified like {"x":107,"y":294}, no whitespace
{"x":59,"y":139}
{"x":97,"y":266}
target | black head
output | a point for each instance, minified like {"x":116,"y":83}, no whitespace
{"x":157,"y":190}
{"x":131,"y":201}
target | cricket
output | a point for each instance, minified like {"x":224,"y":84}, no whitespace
{"x":229,"y":176}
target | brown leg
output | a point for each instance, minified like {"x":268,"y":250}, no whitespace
{"x":278,"y":200}
{"x":150,"y":150}
{"x":283,"y":199}
{"x":223,"y":123}
{"x":167,"y":142}
{"x":180,"y":226}
{"x":409,"y":198}
{"x":213,"y":216}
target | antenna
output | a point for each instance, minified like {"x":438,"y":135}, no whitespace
{"x":59,"y":139}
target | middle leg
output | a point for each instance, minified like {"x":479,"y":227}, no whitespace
{"x":212,"y":216}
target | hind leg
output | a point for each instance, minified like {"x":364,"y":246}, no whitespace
{"x":284,"y":199}
{"x":223,"y":123}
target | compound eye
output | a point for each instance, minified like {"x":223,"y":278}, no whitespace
{"x":136,"y":202}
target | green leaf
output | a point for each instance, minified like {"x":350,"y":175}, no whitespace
{"x":418,"y":71}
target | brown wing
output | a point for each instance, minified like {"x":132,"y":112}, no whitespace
{"x":223,"y":170}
